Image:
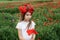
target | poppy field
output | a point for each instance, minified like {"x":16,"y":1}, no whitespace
{"x":46,"y":15}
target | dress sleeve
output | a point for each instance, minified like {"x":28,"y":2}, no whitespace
{"x":18,"y":26}
{"x":33,"y":24}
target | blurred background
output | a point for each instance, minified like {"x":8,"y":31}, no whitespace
{"x":46,"y":17}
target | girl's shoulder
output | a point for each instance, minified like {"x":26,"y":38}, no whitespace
{"x":20,"y":22}
{"x":19,"y":25}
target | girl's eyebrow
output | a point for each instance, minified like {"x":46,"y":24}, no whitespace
{"x":28,"y":14}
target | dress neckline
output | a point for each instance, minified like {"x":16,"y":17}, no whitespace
{"x":26,"y":21}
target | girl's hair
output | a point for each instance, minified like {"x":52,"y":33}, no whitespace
{"x":22,"y":18}
{"x":24,"y":9}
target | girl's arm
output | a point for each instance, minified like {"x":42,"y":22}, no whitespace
{"x":33,"y":37}
{"x":20,"y":34}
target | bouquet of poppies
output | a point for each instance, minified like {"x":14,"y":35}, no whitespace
{"x":31,"y":31}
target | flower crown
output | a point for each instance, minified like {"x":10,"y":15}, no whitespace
{"x":26,"y":8}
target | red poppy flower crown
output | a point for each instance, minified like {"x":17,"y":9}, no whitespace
{"x":26,"y":8}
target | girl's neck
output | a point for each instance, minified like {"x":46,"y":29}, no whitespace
{"x":26,"y":20}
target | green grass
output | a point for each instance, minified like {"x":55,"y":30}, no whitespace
{"x":48,"y":30}
{"x":25,"y":0}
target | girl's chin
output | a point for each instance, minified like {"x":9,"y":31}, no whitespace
{"x":26,"y":19}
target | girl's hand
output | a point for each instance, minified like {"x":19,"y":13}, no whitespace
{"x":22,"y":39}
{"x":32,"y":39}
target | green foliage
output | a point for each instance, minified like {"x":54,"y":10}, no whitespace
{"x":48,"y":32}
{"x":9,"y":10}
{"x":51,"y":31}
{"x":26,"y":0}
{"x":7,"y":27}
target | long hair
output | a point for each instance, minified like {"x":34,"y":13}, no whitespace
{"x":22,"y":18}
{"x":24,"y":9}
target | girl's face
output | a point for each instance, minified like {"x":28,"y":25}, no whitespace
{"x":28,"y":16}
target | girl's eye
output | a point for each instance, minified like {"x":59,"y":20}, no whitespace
{"x":27,"y":14}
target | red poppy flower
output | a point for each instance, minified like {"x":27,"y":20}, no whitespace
{"x":31,"y":31}
{"x":54,"y":6}
{"x":29,"y":8}
{"x":45,"y":23}
{"x":58,"y":3}
{"x":26,"y":8}
{"x":22,"y":9}
{"x":50,"y":19}
{"x":51,"y":3}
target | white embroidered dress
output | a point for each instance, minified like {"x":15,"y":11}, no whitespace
{"x":23,"y":26}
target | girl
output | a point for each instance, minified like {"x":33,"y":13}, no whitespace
{"x":26,"y":26}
